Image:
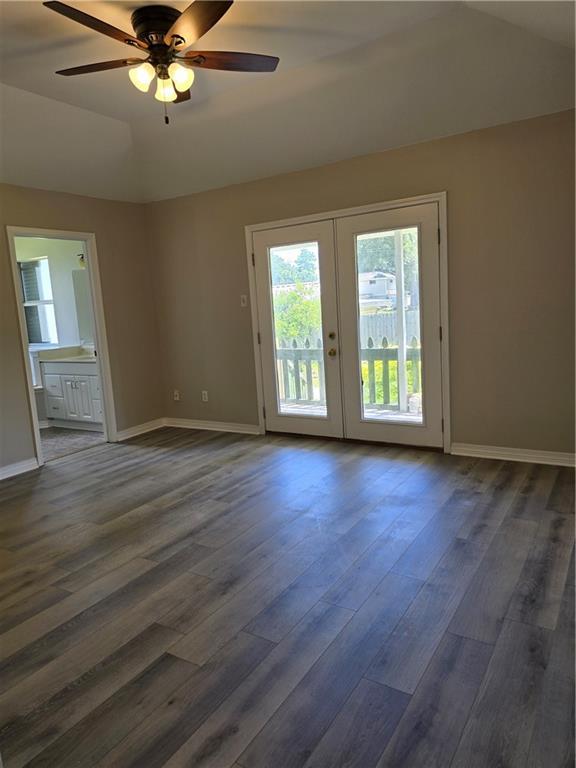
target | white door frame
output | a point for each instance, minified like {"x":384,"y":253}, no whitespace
{"x":101,"y":341}
{"x":440,"y":198}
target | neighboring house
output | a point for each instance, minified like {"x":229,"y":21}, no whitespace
{"x":378,"y":288}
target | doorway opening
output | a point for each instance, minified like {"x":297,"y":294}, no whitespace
{"x":61,"y":328}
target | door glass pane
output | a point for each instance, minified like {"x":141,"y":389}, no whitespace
{"x":297,"y":313}
{"x":389,"y":325}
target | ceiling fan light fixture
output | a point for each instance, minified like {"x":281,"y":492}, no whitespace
{"x":165,"y":90}
{"x":182,"y":77}
{"x":142,"y":76}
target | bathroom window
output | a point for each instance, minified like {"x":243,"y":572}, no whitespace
{"x":38,"y":302}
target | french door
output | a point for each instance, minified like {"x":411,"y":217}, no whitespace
{"x":349,"y":324}
{"x":298,"y":320}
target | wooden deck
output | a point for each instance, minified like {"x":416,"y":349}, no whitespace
{"x":205,"y":599}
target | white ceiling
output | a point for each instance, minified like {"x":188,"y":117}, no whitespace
{"x":35,"y":42}
{"x":354,"y":77}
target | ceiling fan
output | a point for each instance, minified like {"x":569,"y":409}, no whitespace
{"x":164,"y":34}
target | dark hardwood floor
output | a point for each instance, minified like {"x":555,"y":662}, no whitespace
{"x":205,"y":599}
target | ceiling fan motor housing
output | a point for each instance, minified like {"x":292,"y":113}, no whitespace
{"x":152,"y":22}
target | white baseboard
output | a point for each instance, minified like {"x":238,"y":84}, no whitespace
{"x":513,"y":454}
{"x":214,"y":426}
{"x":139,"y":429}
{"x":82,"y":426}
{"x":10,"y":470}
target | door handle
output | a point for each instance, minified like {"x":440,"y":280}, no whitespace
{"x":332,"y":352}
{"x":331,"y":335}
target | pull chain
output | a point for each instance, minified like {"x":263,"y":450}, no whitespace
{"x":166,"y":118}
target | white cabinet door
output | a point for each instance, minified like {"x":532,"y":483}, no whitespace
{"x":70,"y":399}
{"x":94,"y":387}
{"x":84,"y":398}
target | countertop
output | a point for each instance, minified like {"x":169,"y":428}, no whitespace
{"x":77,"y":359}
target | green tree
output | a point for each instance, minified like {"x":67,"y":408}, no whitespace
{"x":282,"y":271}
{"x":376,"y":254}
{"x":297,"y":315}
{"x":306,"y":266}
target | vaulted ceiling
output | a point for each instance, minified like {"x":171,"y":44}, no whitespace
{"x":354,"y":77}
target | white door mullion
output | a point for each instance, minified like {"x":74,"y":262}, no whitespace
{"x":400,"y":321}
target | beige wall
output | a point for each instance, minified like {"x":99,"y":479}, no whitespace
{"x":127,"y":287}
{"x":182,"y":262}
{"x":511,"y":248}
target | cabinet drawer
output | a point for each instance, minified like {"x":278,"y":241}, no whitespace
{"x":94,"y":387}
{"x":55,"y":408}
{"x":53,"y":385}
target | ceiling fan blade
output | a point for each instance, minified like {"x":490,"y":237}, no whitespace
{"x":95,"y":24}
{"x":196,"y":20}
{"x":99,"y":67}
{"x":231,"y":61}
{"x":182,"y":97}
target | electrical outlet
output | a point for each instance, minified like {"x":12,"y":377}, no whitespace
{"x":176,"y":395}
{"x":243,"y":300}
{"x":204,"y":396}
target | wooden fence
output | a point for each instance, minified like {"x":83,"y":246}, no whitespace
{"x":301,"y":371}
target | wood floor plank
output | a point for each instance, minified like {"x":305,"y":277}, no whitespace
{"x":561,"y":498}
{"x":405,"y":656}
{"x":17,"y":613}
{"x":25,"y":737}
{"x":362,"y":729}
{"x":279,"y":616}
{"x":68,"y":633}
{"x":506,"y":480}
{"x":431,"y":727}
{"x":486,"y":602}
{"x":52,"y":618}
{"x":538,"y":595}
{"x":294,"y":731}
{"x":359,"y":581}
{"x":552,"y":744}
{"x":17,"y":583}
{"x":426,"y":551}
{"x":86,"y":743}
{"x":166,"y":523}
{"x":77,"y":580}
{"x":502,"y":719}
{"x":166,"y":729}
{"x":204,"y":640}
{"x":104,"y":640}
{"x":535,"y":492}
{"x":249,"y":564}
{"x":226,"y":733}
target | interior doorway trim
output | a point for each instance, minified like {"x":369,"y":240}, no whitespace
{"x":109,"y":420}
{"x":440,"y":198}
